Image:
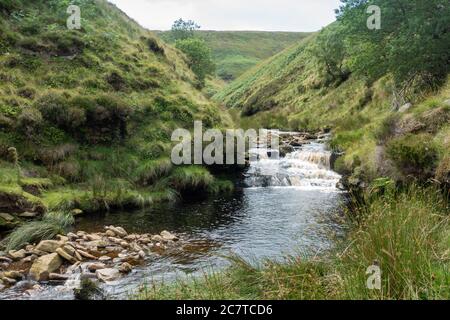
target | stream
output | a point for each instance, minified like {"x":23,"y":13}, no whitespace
{"x":287,"y":206}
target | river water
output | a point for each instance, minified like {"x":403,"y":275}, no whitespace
{"x":287,"y":206}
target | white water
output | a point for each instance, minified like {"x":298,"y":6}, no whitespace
{"x":307,"y":168}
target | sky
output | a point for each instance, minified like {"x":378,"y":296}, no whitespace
{"x":263,"y":15}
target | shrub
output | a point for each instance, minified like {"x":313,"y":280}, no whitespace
{"x":30,"y":121}
{"x":414,"y":155}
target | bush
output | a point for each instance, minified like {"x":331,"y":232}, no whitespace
{"x":414,"y":155}
{"x":30,"y":121}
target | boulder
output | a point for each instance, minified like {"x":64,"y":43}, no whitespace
{"x":62,"y":238}
{"x":64,"y":254}
{"x":58,"y":277}
{"x":405,"y":108}
{"x":120,"y":232}
{"x":125,"y":268}
{"x":108,"y":275}
{"x":167,"y":236}
{"x":110,"y":233}
{"x":48,"y":246}
{"x":16,"y":275}
{"x":43,"y":266}
{"x":96,"y":266}
{"x":17,"y":255}
{"x":93,"y":237}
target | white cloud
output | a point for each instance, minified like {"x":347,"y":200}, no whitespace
{"x":271,"y":15}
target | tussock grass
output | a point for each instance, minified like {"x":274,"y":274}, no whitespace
{"x":404,"y":232}
{"x":51,"y":225}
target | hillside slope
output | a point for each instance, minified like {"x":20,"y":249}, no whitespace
{"x":238,"y":51}
{"x":86,"y":116}
{"x":290,"y":91}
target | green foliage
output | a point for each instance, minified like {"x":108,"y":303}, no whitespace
{"x":182,"y":30}
{"x":199,"y":56}
{"x":50,"y":226}
{"x":414,"y":155}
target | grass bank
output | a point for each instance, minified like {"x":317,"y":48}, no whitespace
{"x":406,"y":233}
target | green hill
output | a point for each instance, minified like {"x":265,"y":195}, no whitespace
{"x":238,"y":51}
{"x":86,"y":115}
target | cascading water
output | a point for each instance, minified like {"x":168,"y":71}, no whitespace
{"x":308,"y":168}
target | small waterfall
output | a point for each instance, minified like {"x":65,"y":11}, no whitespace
{"x":308,"y":167}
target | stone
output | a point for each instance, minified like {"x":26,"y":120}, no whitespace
{"x":69,"y":249}
{"x":29,"y":259}
{"x":124,"y":244}
{"x":142,"y":254}
{"x":39,"y":252}
{"x":131,"y":237}
{"x":125,"y":268}
{"x":86,"y":255}
{"x":405,"y":108}
{"x":76,"y":212}
{"x":43,"y":266}
{"x":121,"y":232}
{"x":104,"y":259}
{"x":16,"y":275}
{"x":48,"y":246}
{"x":447,"y":102}
{"x":62,"y":238}
{"x":93,"y":237}
{"x":66,"y":255}
{"x":168,"y":236}
{"x":110,"y":233}
{"x":157,"y":238}
{"x":29,"y":215}
{"x":8,"y":281}
{"x":107,"y":275}
{"x":5,"y":259}
{"x":7,"y":217}
{"x":58,"y":277}
{"x":96,"y":266}
{"x":17,"y":255}
{"x":72,"y":236}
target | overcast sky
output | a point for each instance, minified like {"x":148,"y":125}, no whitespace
{"x":270,"y":15}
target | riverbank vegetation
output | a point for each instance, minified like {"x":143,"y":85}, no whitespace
{"x":404,"y":232}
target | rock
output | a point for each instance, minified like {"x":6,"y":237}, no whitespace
{"x":16,"y":275}
{"x":72,"y":236}
{"x":142,"y":254}
{"x":135,"y":247}
{"x":93,"y":237}
{"x":7,"y":217}
{"x":168,"y":236}
{"x":131,"y":237}
{"x":29,"y":215}
{"x":48,"y":246}
{"x":286,"y":149}
{"x":39,"y":252}
{"x":62,"y":238}
{"x":110,"y":233}
{"x":108,"y":275}
{"x":70,"y":250}
{"x":447,"y":102}
{"x":6,"y":259}
{"x":104,"y":259}
{"x":86,"y":255}
{"x":405,"y":108}
{"x":96,"y":266}
{"x":2,"y":287}
{"x":29,"y":248}
{"x":43,"y":266}
{"x":4,"y":265}
{"x":120,"y":231}
{"x":66,"y":255}
{"x":17,"y":255}
{"x":76,"y":212}
{"x":8,"y":281}
{"x":29,"y":259}
{"x":58,"y":277}
{"x":125,"y":268}
{"x":157,"y":238}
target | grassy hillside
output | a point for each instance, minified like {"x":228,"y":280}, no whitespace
{"x":238,"y":51}
{"x":290,"y":91}
{"x":86,"y":115}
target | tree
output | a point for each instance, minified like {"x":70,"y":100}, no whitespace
{"x":182,"y":30}
{"x":330,"y":52}
{"x":413,"y":43}
{"x":199,"y":55}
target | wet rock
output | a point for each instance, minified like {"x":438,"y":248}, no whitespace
{"x":58,"y":277}
{"x":6,"y":259}
{"x":48,"y":246}
{"x":43,"y":266}
{"x":15,"y":275}
{"x":88,"y":290}
{"x":96,"y":266}
{"x":86,"y":255}
{"x":110,"y":233}
{"x":7,"y":217}
{"x":8,"y":281}
{"x":104,"y":259}
{"x":166,"y":235}
{"x":108,"y":275}
{"x":65,"y":255}
{"x":17,"y":255}
{"x":125,"y":268}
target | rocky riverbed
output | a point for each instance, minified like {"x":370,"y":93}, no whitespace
{"x":103,"y":256}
